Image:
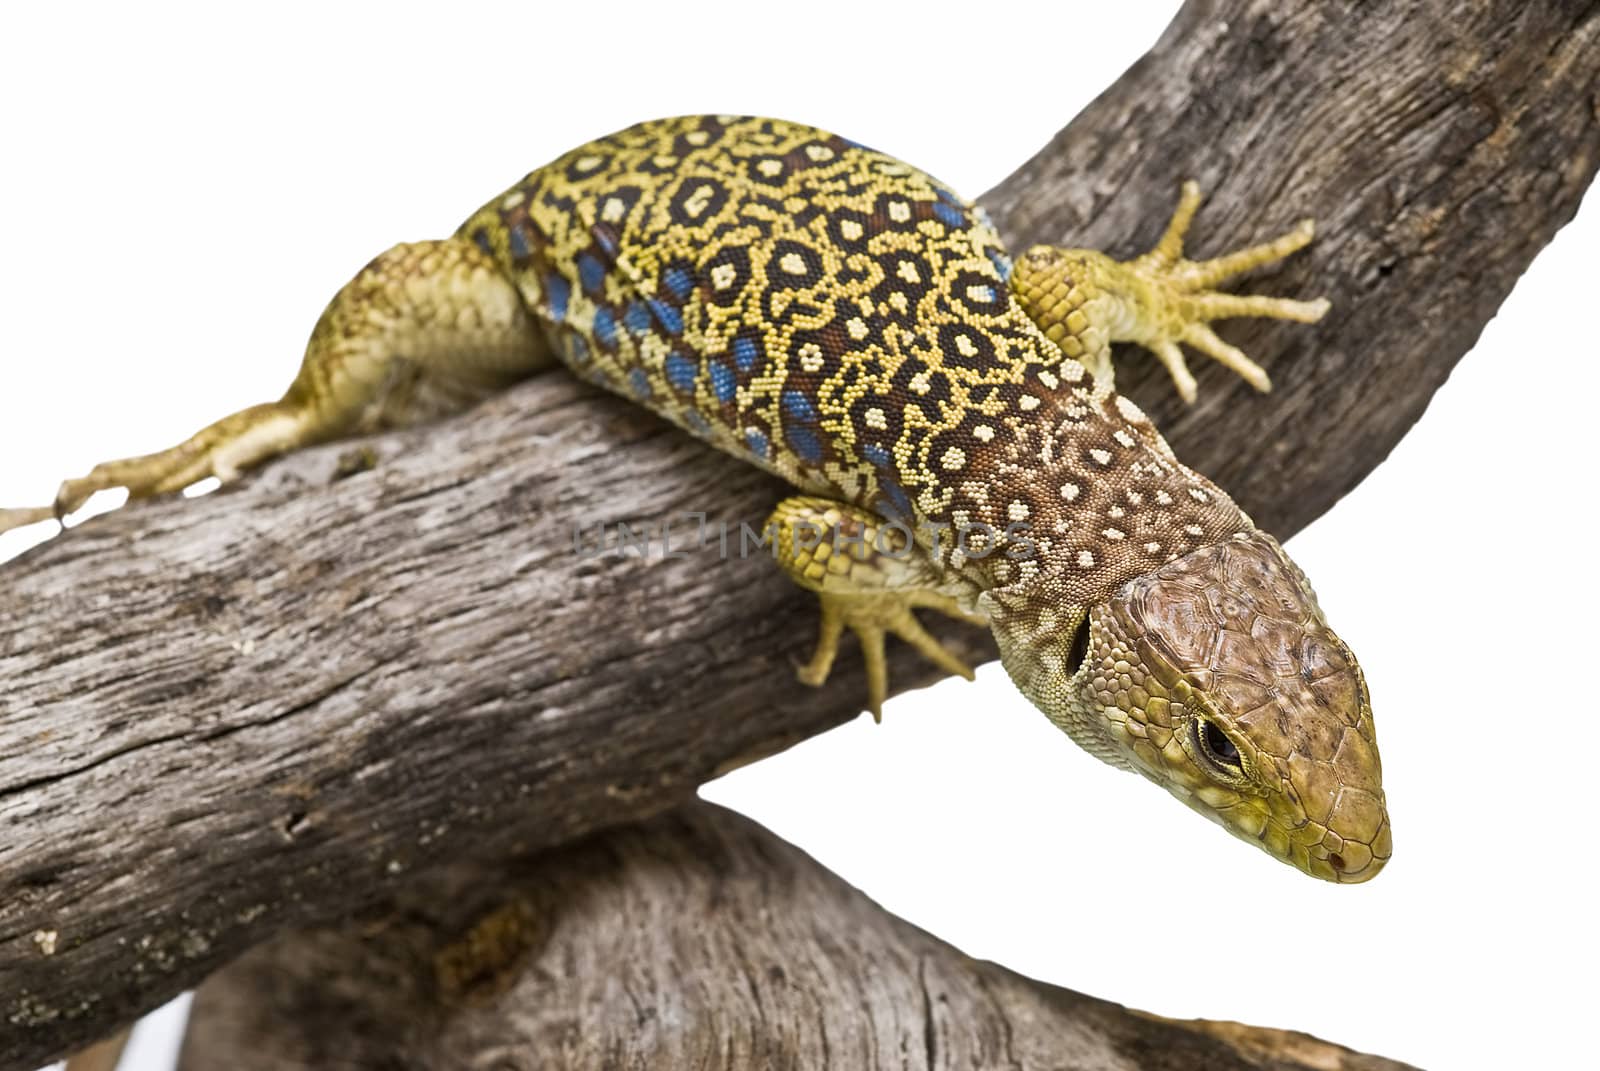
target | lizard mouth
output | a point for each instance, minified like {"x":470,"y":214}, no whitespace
{"x":1350,"y":845}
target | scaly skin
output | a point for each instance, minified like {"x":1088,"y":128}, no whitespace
{"x":839,"y":318}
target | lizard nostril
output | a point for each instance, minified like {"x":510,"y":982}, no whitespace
{"x":1337,"y":861}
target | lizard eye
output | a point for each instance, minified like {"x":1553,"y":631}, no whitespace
{"x":1216,"y":746}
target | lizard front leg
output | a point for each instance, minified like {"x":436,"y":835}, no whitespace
{"x":870,"y":578}
{"x":1084,"y":301}
{"x":424,"y":330}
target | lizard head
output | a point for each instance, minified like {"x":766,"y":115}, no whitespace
{"x":1217,"y":677}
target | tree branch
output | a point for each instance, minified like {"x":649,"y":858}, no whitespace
{"x":230,"y":716}
{"x":696,"y":940}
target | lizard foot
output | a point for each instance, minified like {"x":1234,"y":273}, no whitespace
{"x":870,"y":578}
{"x":871,"y":618}
{"x":222,"y":450}
{"x":1083,"y":300}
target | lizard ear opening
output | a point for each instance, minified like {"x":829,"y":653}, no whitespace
{"x":1080,"y":647}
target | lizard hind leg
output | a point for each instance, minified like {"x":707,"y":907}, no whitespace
{"x":868,"y":581}
{"x":1083,"y":300}
{"x":222,"y":449}
{"x":423,"y":330}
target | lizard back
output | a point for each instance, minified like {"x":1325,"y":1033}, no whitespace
{"x":843,"y":320}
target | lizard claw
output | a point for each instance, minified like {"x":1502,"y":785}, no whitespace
{"x":872,"y":618}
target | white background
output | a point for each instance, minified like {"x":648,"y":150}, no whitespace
{"x":184,"y":189}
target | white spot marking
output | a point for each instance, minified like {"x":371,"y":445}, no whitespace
{"x":1130,"y":412}
{"x":698,"y":201}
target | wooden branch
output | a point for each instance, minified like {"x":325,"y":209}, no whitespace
{"x":1438,"y":145}
{"x":697,"y":940}
{"x":233,"y":715}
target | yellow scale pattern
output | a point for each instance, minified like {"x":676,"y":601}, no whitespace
{"x":845,"y":321}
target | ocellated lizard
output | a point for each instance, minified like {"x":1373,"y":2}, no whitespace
{"x":840,"y":318}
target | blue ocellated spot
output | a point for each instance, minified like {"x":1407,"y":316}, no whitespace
{"x":679,"y":280}
{"x":591,"y":273}
{"x":670,"y":319}
{"x":875,"y":453}
{"x":949,"y":215}
{"x":724,"y":384}
{"x":757,"y":442}
{"x":637,"y":317}
{"x":639,"y":383}
{"x":577,"y":348}
{"x":745,"y":352}
{"x":900,"y":505}
{"x":681,"y":371}
{"x":1002,"y":263}
{"x":519,"y":242}
{"x":796,"y":406}
{"x":697,"y":423}
{"x":481,"y":237}
{"x":556,"y":292}
{"x":605,"y":327}
{"x":804,"y":442}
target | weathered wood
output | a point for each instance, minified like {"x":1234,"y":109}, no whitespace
{"x":1438,"y":145}
{"x":697,"y":940}
{"x":229,"y":716}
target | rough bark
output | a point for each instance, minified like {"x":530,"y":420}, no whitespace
{"x":229,"y":716}
{"x":696,"y":940}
